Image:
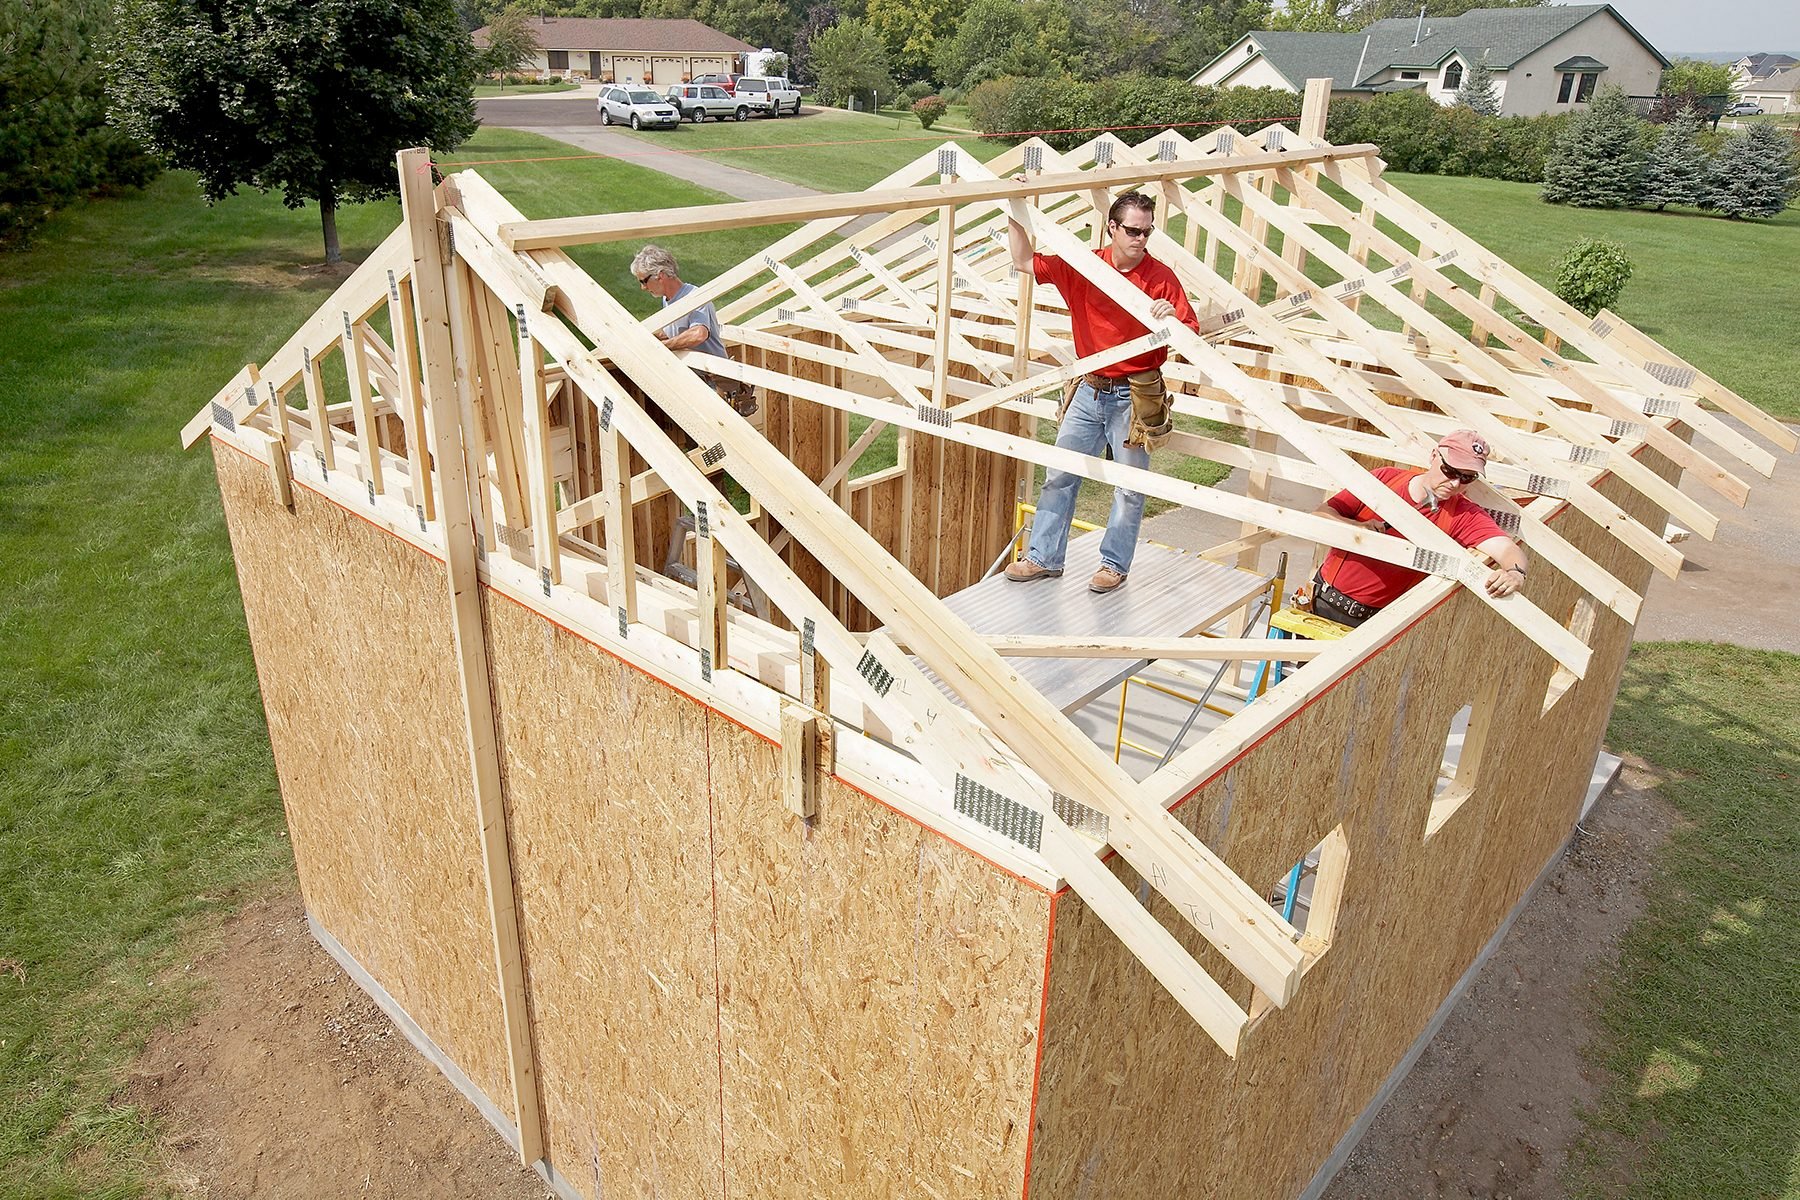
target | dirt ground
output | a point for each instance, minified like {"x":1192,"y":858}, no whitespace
{"x":295,"y":1086}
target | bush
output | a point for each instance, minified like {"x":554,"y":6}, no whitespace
{"x":989,"y":103}
{"x":1415,"y":134}
{"x":1592,"y":275}
{"x":914,"y":92}
{"x":951,"y":95}
{"x":929,"y":109}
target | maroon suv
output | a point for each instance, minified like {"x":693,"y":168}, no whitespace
{"x":728,"y":82}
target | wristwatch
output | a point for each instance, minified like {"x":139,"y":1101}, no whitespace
{"x":1520,"y":570}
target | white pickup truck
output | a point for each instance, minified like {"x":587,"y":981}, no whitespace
{"x":769,"y":95}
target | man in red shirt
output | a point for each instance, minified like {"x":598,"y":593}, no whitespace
{"x":1099,"y":415}
{"x":1349,"y":588}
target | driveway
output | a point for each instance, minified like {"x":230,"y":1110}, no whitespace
{"x":570,"y":117}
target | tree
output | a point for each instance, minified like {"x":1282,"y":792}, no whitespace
{"x":311,"y":98}
{"x":512,"y":42}
{"x":1000,"y":37}
{"x":55,"y":143}
{"x":1598,"y":161}
{"x":1694,"y":75}
{"x":1478,"y":93}
{"x":1312,"y":16}
{"x":776,"y":65}
{"x":911,"y":30}
{"x":1679,"y":169}
{"x":1754,"y":174}
{"x":818,"y":19}
{"x":850,"y":59}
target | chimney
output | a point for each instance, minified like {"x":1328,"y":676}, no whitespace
{"x":1417,"y":29}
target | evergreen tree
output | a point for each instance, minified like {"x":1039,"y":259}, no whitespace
{"x":311,"y":98}
{"x":1679,"y":169}
{"x":1754,"y":174}
{"x":1478,"y":93}
{"x":1598,"y":160}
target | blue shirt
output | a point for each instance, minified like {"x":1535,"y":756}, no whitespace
{"x":704,"y":315}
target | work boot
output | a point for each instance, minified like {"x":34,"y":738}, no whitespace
{"x":1024,"y":571}
{"x":1105,"y":580}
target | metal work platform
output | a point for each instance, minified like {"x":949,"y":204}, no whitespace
{"x":1168,"y":594}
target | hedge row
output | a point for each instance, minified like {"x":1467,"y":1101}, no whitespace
{"x":1414,"y":132}
{"x":1136,"y":107}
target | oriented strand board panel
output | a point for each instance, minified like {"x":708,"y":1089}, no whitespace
{"x":880,"y":994}
{"x":1134,"y":1101}
{"x":351,"y":630}
{"x":605,"y":771}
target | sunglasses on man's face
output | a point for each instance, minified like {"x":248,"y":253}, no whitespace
{"x":1133,"y":230}
{"x":1458,"y":476}
{"x":644,"y":280}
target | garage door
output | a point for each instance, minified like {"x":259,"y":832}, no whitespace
{"x":708,"y":66}
{"x":667,"y":70}
{"x":627,"y":69}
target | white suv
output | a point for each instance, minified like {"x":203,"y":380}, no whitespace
{"x":769,"y":95}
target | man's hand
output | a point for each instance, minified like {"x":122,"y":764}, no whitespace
{"x":1162,"y":310}
{"x":1504,"y":582}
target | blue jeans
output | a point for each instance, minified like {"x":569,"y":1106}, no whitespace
{"x":1095,"y":420}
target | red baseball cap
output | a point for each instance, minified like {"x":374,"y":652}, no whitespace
{"x":1465,"y":450}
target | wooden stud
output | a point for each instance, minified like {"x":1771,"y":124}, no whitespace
{"x":799,"y":760}
{"x":418,"y":204}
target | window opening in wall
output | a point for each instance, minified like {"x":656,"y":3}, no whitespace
{"x":1453,"y":77}
{"x":1586,"y":91}
{"x":1309,"y":896}
{"x":1568,"y":87}
{"x":558,"y":60}
{"x":1581,"y":624}
{"x":1459,"y":770}
{"x":1409,"y":74}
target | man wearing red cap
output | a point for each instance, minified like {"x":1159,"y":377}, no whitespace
{"x":1349,"y":588}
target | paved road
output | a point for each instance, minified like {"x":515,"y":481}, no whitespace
{"x":571,"y":117}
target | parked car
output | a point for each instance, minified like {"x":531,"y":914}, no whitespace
{"x":698,"y":101}
{"x":1744,"y":108}
{"x":728,"y":82}
{"x":638,"y":107}
{"x":768,"y":94}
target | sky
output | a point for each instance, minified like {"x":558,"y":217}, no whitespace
{"x":1704,"y":26}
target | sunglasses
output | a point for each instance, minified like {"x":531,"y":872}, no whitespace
{"x":644,"y":280}
{"x":1133,"y":230}
{"x":1453,"y":473}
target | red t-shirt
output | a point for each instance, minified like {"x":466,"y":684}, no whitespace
{"x":1378,"y":584}
{"x":1099,"y":323}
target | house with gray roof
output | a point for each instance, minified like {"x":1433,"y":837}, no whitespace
{"x":630,"y":49}
{"x":1777,"y":93}
{"x":1546,"y":59}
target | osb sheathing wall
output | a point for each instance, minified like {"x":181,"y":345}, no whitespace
{"x":368,"y":735}
{"x":724,"y":1005}
{"x":1135,"y":1101}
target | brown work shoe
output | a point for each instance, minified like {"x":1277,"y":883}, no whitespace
{"x":1105,"y":580}
{"x":1024,"y":571}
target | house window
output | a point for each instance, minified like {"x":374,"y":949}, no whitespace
{"x":1586,"y":91}
{"x":1568,"y":87}
{"x":559,"y":60}
{"x":1453,"y":77}
{"x":1409,"y":74}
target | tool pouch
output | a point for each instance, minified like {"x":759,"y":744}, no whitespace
{"x":1151,"y":420}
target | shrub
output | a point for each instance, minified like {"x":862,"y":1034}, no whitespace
{"x":914,"y":92}
{"x":1592,"y":275}
{"x":929,"y":109}
{"x":989,"y":103}
{"x":1679,"y":168}
{"x":951,"y":95}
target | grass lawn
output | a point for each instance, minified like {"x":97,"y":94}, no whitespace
{"x":137,"y":794}
{"x":1703,"y":1017}
{"x":832,"y":150}
{"x":1710,"y":289}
